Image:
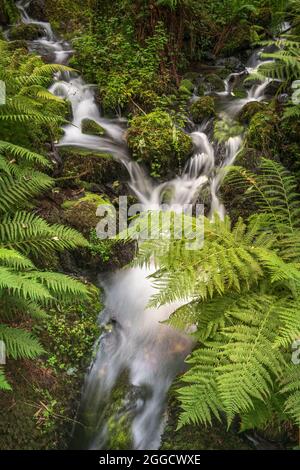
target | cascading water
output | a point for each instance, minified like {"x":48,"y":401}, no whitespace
{"x":135,"y":341}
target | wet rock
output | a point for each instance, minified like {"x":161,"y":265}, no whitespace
{"x":214,"y":83}
{"x":25,"y":32}
{"x":81,"y":213}
{"x":203,"y":108}
{"x":231,"y":63}
{"x":91,"y":127}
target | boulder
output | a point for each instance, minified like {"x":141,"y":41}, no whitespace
{"x":203,"y":108}
{"x":91,"y":127}
{"x":155,"y":140}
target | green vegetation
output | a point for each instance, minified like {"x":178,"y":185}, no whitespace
{"x":244,"y":289}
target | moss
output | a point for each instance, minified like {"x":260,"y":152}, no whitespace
{"x":214,"y":82}
{"x":249,"y":110}
{"x":9,"y":13}
{"x":263,"y":133}
{"x":81,"y":213}
{"x":91,"y":127}
{"x":27,"y":32}
{"x":45,"y":397}
{"x":202,"y":109}
{"x":155,"y":140}
{"x":93,"y":168}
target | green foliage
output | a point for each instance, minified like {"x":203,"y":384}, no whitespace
{"x":31,"y":115}
{"x":71,"y":332}
{"x":124,"y":70}
{"x":25,"y":238}
{"x":241,"y":290}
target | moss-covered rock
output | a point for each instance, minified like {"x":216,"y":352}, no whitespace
{"x":214,"y":83}
{"x":91,"y":127}
{"x":249,"y":110}
{"x":203,"y":108}
{"x":27,"y":32}
{"x":155,"y":140}
{"x":81,"y":213}
{"x":263,"y":133}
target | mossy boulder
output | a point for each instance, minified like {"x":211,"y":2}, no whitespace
{"x":203,"y":108}
{"x":81,"y":213}
{"x":214,"y":83}
{"x":155,"y":140}
{"x":263,"y":133}
{"x":88,"y":126}
{"x":27,"y":32}
{"x":249,"y":110}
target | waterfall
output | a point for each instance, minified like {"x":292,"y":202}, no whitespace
{"x":135,"y":340}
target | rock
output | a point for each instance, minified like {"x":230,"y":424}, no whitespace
{"x":92,"y":168}
{"x":81,"y":213}
{"x":263,"y":133}
{"x":249,"y":110}
{"x":214,"y":83}
{"x":91,"y":127}
{"x":231,"y":63}
{"x":155,"y":140}
{"x":272,"y":88}
{"x":203,"y":108}
{"x":25,"y":32}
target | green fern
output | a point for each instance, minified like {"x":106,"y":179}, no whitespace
{"x":19,"y":343}
{"x":241,"y":297}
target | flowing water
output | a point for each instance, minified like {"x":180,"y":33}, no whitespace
{"x":135,"y":342}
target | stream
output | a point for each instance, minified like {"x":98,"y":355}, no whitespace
{"x":134,"y":342}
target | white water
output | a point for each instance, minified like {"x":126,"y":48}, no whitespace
{"x":136,"y":342}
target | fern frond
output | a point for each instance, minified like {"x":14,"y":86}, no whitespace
{"x":19,"y":343}
{"x":4,"y":385}
{"x":23,"y":153}
{"x":29,"y":233}
{"x":291,"y":388}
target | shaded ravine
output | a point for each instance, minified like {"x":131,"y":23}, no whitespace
{"x":134,"y":340}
